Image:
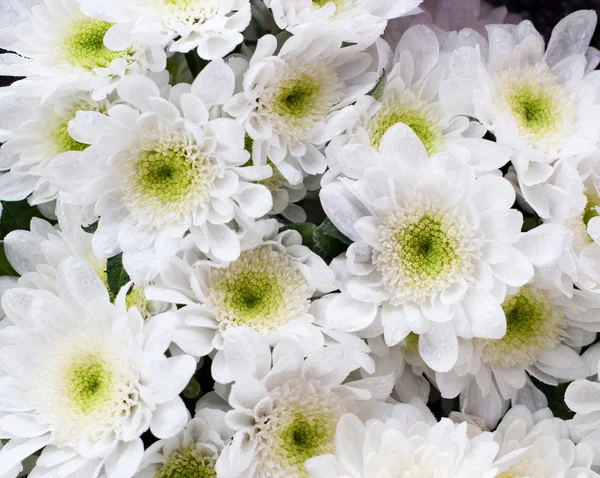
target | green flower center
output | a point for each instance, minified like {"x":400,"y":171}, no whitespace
{"x":263,"y":289}
{"x":298,"y":97}
{"x":88,"y":382}
{"x":508,"y":474}
{"x":418,"y":116}
{"x":63,"y":140}
{"x":187,"y":464}
{"x":590,"y":211}
{"x":533,"y":325}
{"x":276,"y":181}
{"x":84,"y":44}
{"x":305,"y":438}
{"x":422,"y":255}
{"x":169,"y":180}
{"x":541,"y":107}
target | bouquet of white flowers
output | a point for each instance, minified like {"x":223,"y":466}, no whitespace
{"x":298,"y":239}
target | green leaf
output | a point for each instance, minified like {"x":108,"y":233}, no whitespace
{"x":17,"y":215}
{"x":328,"y":229}
{"x":324,"y":240}
{"x":91,"y":228}
{"x":116,"y":276}
{"x":192,"y":390}
{"x":530,"y":223}
{"x":5,"y":268}
{"x":556,"y":398}
{"x":377,"y":92}
{"x":306,"y":230}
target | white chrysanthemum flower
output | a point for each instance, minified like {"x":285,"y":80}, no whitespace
{"x":56,"y":46}
{"x":192,"y":453}
{"x":449,"y":16}
{"x":12,"y":472}
{"x":409,"y":444}
{"x":538,"y":100}
{"x":85,"y":379}
{"x":356,"y":21}
{"x":38,"y":134}
{"x":411,"y":96}
{"x":165,"y":168}
{"x":268,"y":288}
{"x":286,"y":408}
{"x":538,"y":446}
{"x":294,"y":102}
{"x":212,"y":27}
{"x":37,"y":253}
{"x":434,"y":246}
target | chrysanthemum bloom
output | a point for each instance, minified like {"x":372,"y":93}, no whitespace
{"x":37,"y":253}
{"x":55,"y":45}
{"x":294,"y":102}
{"x":434,"y":246}
{"x":38,"y":133}
{"x":85,"y":379}
{"x":411,"y":96}
{"x":212,"y":27}
{"x":545,"y":332}
{"x":190,"y":454}
{"x":538,"y":100}
{"x":538,"y":446}
{"x":408,"y":444}
{"x":268,"y":288}
{"x":286,"y":408}
{"x":163,"y":168}
{"x":356,"y":21}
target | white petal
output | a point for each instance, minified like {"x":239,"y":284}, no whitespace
{"x":439,"y":347}
{"x":125,"y":460}
{"x":169,"y":418}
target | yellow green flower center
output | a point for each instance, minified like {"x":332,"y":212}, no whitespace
{"x":263,"y":289}
{"x":533,"y":325}
{"x":419,"y":116}
{"x":88,"y":382}
{"x":63,"y":140}
{"x":298,"y":97}
{"x":306,"y":437}
{"x":84,"y":44}
{"x":423,"y":254}
{"x":187,"y":463}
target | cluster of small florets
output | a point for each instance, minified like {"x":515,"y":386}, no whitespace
{"x":298,"y":239}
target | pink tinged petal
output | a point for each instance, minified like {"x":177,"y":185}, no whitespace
{"x":169,"y":418}
{"x":349,"y":315}
{"x":395,"y":327}
{"x":485,"y":314}
{"x":215,"y":83}
{"x":571,"y":36}
{"x":137,"y":90}
{"x":173,"y":376}
{"x":517,"y":271}
{"x":17,"y":449}
{"x":79,"y":284}
{"x":438,"y":347}
{"x":125,"y":460}
{"x":247,"y":393}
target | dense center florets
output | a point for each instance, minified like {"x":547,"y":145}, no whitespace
{"x":423,"y":251}
{"x":300,"y":424}
{"x":418,"y":115}
{"x":299,"y":99}
{"x":263,"y":289}
{"x":168,"y":179}
{"x":533,"y":325}
{"x":88,"y":382}
{"x":540,"y":106}
{"x":187,"y":463}
{"x":190,"y":12}
{"x":84,"y":44}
